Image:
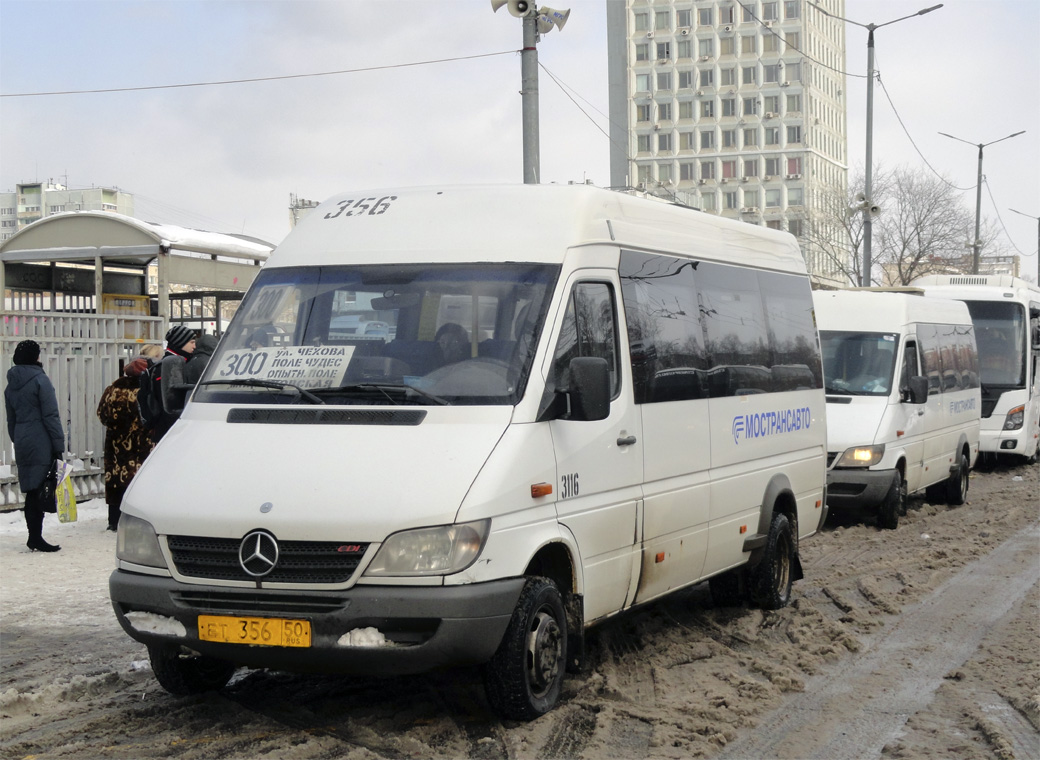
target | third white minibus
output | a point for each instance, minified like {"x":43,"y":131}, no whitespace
{"x":1006,"y":314}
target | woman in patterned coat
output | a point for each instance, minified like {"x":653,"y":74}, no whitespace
{"x":126,"y":442}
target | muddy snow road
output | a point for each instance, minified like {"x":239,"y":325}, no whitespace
{"x":923,"y":642}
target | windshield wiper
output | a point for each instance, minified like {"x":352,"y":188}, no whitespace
{"x":384,"y":387}
{"x":273,"y":384}
{"x":846,"y":392}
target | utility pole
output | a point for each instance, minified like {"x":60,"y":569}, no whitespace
{"x":536,"y":21}
{"x":869,"y":208}
{"x":976,"y":244}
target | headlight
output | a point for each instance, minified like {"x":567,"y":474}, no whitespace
{"x":137,"y":542}
{"x":861,"y":456}
{"x":441,"y":550}
{"x":1015,"y":418}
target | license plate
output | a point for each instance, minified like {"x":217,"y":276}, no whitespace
{"x":268,"y":632}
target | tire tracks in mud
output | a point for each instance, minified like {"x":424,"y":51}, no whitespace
{"x":904,"y":665}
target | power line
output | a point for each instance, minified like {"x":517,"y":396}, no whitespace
{"x":255,"y":79}
{"x":917,"y":150}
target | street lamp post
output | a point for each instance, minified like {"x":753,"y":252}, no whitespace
{"x":976,"y":243}
{"x":536,"y":21}
{"x":867,"y":205}
{"x":1028,"y":216}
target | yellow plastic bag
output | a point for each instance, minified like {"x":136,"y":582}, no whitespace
{"x":66,"y":501}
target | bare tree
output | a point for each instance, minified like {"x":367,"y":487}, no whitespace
{"x":834,"y":231}
{"x":923,"y":228}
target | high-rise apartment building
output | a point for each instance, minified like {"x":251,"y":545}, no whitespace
{"x":737,"y":108}
{"x":31,"y":201}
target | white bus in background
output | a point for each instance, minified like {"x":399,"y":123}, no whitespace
{"x":1006,"y":313}
{"x":637,"y":406}
{"x":901,"y":373}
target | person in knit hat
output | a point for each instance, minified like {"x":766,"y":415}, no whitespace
{"x":205,"y":345}
{"x":34,"y":425}
{"x":180,"y":345}
{"x":127,"y":443}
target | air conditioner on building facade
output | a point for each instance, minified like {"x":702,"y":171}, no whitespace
{"x":684,"y":32}
{"x":794,"y":176}
{"x":749,"y":210}
{"x":770,"y":115}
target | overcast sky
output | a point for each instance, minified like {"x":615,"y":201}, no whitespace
{"x":227,"y":157}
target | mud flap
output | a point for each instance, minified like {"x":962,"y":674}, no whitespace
{"x":574,"y":606}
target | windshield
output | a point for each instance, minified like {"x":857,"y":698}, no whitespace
{"x":858,"y":363}
{"x":383,"y":334}
{"x":1000,"y":332}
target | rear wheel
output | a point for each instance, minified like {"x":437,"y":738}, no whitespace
{"x":957,"y":484}
{"x":183,"y":673}
{"x":770,"y":580}
{"x":524,"y":677}
{"x":894,"y":505}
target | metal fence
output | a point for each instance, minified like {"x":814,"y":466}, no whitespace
{"x":82,"y":354}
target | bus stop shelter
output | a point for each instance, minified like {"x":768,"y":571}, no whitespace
{"x":78,"y":284}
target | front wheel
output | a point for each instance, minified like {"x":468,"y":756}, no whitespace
{"x":184,"y":673}
{"x":524,"y":677}
{"x":957,"y":484}
{"x":894,"y":504}
{"x":771,"y":578}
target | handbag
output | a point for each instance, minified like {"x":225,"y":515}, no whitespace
{"x":45,"y":494}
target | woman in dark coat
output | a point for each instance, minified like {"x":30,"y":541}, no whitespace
{"x":126,"y":442}
{"x":34,"y":424}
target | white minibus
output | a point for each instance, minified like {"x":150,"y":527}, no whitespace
{"x":902,"y":380}
{"x":1006,"y":314}
{"x":581,"y":401}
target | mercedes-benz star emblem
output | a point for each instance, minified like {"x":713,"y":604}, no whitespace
{"x":258,"y":553}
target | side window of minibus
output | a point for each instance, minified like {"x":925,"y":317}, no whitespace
{"x":589,"y":329}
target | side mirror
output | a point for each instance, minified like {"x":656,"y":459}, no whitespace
{"x":917,"y":393}
{"x":589,"y":393}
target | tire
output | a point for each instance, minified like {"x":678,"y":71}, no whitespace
{"x":524,"y":677}
{"x":770,"y":580}
{"x":957,"y":484}
{"x":726,"y":589}
{"x":185,"y":674}
{"x":893,"y":506}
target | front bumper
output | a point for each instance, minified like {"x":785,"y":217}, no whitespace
{"x":856,"y":489}
{"x":426,"y":626}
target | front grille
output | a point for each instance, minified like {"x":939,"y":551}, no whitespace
{"x":267,"y":603}
{"x":298,"y":561}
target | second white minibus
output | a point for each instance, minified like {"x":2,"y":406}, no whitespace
{"x":902,"y":379}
